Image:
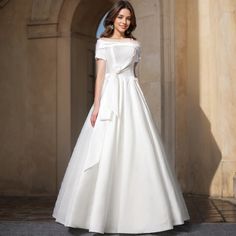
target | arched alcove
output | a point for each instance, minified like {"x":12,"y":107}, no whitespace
{"x":78,"y":22}
{"x":84,"y":26}
{"x":73,"y":24}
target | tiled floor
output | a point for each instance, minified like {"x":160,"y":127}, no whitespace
{"x":26,"y":208}
{"x":208,"y":210}
{"x":201,"y":209}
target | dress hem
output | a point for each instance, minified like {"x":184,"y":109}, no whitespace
{"x":159,"y":229}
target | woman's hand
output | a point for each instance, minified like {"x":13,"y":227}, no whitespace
{"x":93,"y":117}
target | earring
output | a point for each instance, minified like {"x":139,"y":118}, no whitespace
{"x":111,"y":27}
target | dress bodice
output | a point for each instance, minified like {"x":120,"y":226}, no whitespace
{"x":120,"y":55}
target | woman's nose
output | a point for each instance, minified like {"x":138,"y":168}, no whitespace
{"x":124,"y":21}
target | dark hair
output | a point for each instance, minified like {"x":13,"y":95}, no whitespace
{"x":113,"y":13}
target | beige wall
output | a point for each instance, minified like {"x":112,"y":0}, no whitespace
{"x":39,"y":110}
{"x":27,"y":106}
{"x":206,"y":85}
{"x":42,"y":109}
{"x":155,"y":31}
{"x":148,"y":23}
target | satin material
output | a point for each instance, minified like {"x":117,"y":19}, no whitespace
{"x":118,"y":179}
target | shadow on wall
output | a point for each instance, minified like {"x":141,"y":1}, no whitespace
{"x":204,"y":153}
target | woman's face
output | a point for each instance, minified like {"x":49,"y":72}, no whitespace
{"x":122,"y":21}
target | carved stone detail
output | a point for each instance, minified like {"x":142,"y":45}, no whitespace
{"x":43,"y":22}
{"x":46,"y":30}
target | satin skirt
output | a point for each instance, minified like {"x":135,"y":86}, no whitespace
{"x":119,"y":179}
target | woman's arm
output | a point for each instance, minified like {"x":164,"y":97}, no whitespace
{"x":136,"y":69}
{"x":100,"y":74}
{"x":101,"y":66}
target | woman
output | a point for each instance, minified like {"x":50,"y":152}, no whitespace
{"x":118,"y":179}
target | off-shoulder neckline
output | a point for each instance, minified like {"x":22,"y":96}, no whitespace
{"x":119,"y":40}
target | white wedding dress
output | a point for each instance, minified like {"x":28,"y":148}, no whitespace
{"x":118,"y":179}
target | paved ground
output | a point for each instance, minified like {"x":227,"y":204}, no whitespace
{"x":32,"y":216}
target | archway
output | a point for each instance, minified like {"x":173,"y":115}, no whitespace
{"x":78,"y":22}
{"x":73,"y":24}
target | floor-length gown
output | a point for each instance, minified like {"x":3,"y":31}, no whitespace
{"x":118,"y":179}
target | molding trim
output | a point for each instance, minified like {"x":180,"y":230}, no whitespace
{"x":42,"y":30}
{"x":44,"y":17}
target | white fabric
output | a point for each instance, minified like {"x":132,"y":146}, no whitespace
{"x":118,"y":179}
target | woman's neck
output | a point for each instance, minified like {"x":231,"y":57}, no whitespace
{"x":117,"y":36}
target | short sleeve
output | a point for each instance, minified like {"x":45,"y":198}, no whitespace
{"x":100,"y":51}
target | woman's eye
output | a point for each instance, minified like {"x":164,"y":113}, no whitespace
{"x":120,"y":17}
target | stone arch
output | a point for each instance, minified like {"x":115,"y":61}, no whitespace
{"x":74,"y":22}
{"x":77,"y":25}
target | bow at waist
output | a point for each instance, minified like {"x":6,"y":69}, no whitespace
{"x":109,"y":107}
{"x":110,"y":95}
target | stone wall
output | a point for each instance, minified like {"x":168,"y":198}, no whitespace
{"x":36,"y":109}
{"x":27,"y":107}
{"x":206,"y":85}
